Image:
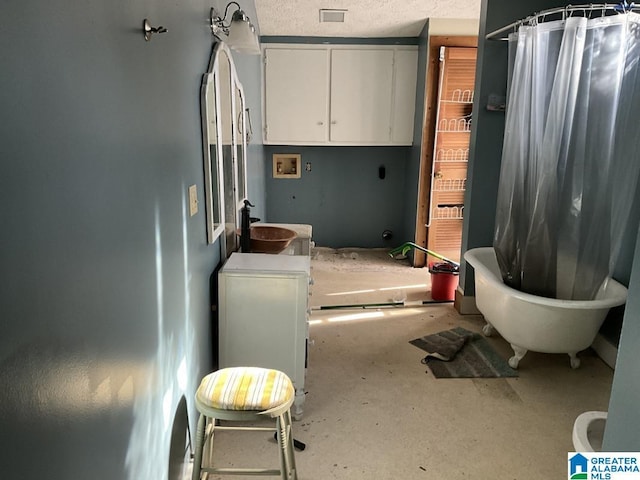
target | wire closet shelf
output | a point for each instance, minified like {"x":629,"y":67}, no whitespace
{"x":452,"y":155}
{"x":562,"y":13}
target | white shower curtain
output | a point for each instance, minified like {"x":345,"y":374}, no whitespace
{"x":571,"y":154}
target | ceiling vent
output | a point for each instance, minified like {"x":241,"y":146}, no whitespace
{"x":332,"y":15}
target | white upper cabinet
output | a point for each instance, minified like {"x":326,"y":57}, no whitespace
{"x":361,"y":94}
{"x":339,"y":94}
{"x":404,"y":96}
{"x":296,"y":106}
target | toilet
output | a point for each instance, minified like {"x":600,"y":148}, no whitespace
{"x":588,"y":431}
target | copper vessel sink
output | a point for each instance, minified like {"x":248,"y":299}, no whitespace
{"x":269,"y":239}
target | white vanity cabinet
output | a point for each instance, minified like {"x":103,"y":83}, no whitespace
{"x":263,"y":308}
{"x":339,"y":94}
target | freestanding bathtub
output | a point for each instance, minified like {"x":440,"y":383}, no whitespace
{"x":539,"y":324}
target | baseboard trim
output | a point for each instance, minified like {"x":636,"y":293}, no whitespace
{"x":605,"y":350}
{"x":465,"y":305}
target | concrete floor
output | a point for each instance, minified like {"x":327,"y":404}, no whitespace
{"x":373,"y":411}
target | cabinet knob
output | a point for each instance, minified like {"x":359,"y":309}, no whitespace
{"x":320,"y":123}
{"x":333,"y":122}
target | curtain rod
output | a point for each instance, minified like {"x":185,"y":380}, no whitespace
{"x":622,"y":7}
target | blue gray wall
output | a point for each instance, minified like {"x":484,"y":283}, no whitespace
{"x":623,"y":422}
{"x":249,"y":68}
{"x":342,"y":196}
{"x":105,"y":299}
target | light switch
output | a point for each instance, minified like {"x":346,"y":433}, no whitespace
{"x":193,"y":200}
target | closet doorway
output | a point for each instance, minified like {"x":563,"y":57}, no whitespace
{"x":445,"y":146}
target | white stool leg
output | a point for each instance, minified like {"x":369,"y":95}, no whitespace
{"x":281,"y":439}
{"x":286,"y":446}
{"x":199,"y":440}
{"x":209,"y":434}
{"x":291,"y":449}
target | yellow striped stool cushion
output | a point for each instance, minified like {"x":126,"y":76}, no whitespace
{"x":245,"y":388}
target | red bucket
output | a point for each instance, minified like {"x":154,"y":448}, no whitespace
{"x":444,"y":281}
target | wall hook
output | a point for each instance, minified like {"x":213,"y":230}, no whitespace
{"x":148,"y":30}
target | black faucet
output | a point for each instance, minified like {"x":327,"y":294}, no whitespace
{"x":245,"y":234}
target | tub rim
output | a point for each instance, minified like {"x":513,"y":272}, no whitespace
{"x":617,"y":293}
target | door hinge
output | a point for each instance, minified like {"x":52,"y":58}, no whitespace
{"x":442,"y":49}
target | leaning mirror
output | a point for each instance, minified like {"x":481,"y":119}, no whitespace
{"x":212,"y":186}
{"x":241,"y":146}
{"x":225,"y":149}
{"x":226,"y":121}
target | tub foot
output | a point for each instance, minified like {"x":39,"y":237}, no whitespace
{"x":519,"y":353}
{"x":575,"y":361}
{"x":488,"y":330}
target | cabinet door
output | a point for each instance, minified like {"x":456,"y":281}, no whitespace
{"x":263,"y":322}
{"x":297,"y":94}
{"x":404,"y":96}
{"x":361,"y":92}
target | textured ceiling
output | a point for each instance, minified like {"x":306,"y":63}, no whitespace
{"x":364,"y":18}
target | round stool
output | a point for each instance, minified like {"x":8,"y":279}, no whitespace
{"x":244,"y":394}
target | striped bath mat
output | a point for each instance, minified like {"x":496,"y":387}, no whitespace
{"x":459,"y":353}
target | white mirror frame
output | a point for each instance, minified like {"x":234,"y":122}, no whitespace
{"x":214,"y":194}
